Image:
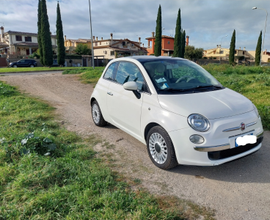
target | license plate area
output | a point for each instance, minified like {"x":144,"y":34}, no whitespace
{"x":243,"y":139}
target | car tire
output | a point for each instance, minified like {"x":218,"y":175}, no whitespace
{"x":15,"y":66}
{"x":32,"y":65}
{"x":160,"y":148}
{"x":97,"y":115}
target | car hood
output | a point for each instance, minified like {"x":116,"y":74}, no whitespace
{"x":215,"y":104}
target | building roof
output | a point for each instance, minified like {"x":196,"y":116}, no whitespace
{"x":163,"y":36}
{"x":24,"y":33}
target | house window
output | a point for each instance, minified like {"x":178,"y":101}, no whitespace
{"x":28,"y":39}
{"x":105,"y":52}
{"x":112,"y":53}
{"x":168,"y":42}
{"x":18,"y":38}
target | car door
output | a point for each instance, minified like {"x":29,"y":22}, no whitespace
{"x":123,"y":106}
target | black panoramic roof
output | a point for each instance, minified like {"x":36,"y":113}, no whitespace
{"x":152,"y":58}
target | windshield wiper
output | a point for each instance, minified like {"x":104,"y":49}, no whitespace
{"x":209,"y":86}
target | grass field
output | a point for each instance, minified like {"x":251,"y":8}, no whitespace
{"x":34,"y":69}
{"x":47,"y":172}
{"x":251,"y":81}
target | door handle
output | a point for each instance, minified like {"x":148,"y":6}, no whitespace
{"x":109,"y":93}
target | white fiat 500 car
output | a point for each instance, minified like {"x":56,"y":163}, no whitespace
{"x":178,"y":109}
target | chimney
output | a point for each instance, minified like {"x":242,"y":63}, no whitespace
{"x":111,"y":36}
{"x":139,"y":40}
{"x":93,"y":38}
{"x":239,"y":48}
{"x":96,"y":38}
{"x":2,"y":32}
{"x":101,"y":38}
{"x":244,"y":48}
{"x":65,"y":37}
{"x":187,"y":40}
{"x":153,"y":34}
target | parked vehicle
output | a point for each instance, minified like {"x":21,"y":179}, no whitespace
{"x":178,"y":109}
{"x":24,"y":63}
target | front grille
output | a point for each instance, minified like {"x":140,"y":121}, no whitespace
{"x":217,"y":155}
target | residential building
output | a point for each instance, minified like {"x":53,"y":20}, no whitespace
{"x":167,"y":45}
{"x":220,"y":53}
{"x":71,"y":44}
{"x":15,"y":43}
{"x":113,"y":48}
{"x":108,"y":48}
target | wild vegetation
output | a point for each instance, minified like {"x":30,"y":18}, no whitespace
{"x":47,"y":172}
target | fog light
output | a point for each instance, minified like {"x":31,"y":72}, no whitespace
{"x":196,"y":139}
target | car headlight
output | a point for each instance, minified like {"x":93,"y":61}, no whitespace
{"x":256,"y":111}
{"x":198,"y":122}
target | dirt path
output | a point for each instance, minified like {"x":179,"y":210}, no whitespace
{"x":237,"y":190}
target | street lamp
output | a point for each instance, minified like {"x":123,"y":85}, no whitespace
{"x":254,"y":8}
{"x":93,"y":61}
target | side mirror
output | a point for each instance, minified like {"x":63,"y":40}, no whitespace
{"x":131,"y":86}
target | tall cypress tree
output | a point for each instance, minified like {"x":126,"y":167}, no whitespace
{"x":258,"y":50}
{"x":177,"y":38}
{"x":232,"y":49}
{"x":46,"y":36}
{"x":60,"y":38}
{"x":158,"y":38}
{"x":183,"y":42}
{"x":39,"y":33}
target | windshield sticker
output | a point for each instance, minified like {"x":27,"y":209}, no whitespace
{"x":164,"y":86}
{"x":161,"y":80}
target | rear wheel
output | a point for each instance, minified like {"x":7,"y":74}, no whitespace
{"x":97,"y":115}
{"x":31,"y":65}
{"x":160,"y":148}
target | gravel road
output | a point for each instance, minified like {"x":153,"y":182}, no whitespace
{"x":236,"y":190}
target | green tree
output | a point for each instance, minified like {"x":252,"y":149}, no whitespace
{"x":158,"y":38}
{"x":183,"y":42}
{"x":258,"y":50}
{"x":47,"y":52}
{"x":232,"y":49}
{"x":82,"y":49}
{"x":60,"y":38}
{"x":177,"y":38}
{"x":193,"y":53}
{"x":39,"y":32}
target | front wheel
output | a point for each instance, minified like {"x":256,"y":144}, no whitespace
{"x":97,"y":115}
{"x":160,"y":148}
{"x":15,"y":66}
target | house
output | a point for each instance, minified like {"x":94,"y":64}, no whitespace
{"x":71,"y":44}
{"x":220,"y":53}
{"x":167,"y":45}
{"x":109,"y":48}
{"x":15,"y":43}
{"x":113,"y":48}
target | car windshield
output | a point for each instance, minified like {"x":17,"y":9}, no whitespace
{"x":171,"y":76}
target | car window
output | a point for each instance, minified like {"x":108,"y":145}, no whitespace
{"x":172,"y":75}
{"x":127,"y":72}
{"x":109,"y":72}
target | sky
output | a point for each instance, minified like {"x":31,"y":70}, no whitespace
{"x":208,"y":23}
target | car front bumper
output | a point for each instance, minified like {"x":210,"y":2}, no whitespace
{"x":219,"y":145}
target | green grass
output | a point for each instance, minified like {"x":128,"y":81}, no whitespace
{"x":47,"y":172}
{"x":35,"y":69}
{"x":253,"y":82}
